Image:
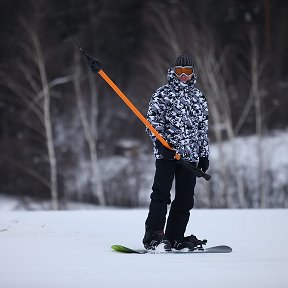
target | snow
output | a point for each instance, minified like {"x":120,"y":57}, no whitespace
{"x":72,"y":249}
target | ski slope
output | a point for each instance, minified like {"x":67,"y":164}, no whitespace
{"x":72,"y":249}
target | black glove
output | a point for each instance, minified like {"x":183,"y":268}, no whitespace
{"x":203,"y":164}
{"x":165,"y":152}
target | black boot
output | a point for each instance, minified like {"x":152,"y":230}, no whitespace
{"x":152,"y":239}
{"x":190,"y":242}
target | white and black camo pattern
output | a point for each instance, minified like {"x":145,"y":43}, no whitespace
{"x":179,"y":112}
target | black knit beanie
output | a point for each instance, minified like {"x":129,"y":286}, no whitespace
{"x":184,"y":60}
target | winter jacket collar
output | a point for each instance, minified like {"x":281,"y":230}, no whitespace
{"x":176,"y":84}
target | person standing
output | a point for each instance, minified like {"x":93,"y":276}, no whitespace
{"x":179,"y":112}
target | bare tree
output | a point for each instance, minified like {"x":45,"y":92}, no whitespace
{"x":167,"y":46}
{"x":35,"y":92}
{"x":253,"y":71}
{"x":212,"y":65}
{"x":257,"y":94}
{"x":90,"y":129}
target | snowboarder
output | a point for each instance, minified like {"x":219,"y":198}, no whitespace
{"x":179,"y":112}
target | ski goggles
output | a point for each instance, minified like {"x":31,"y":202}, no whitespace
{"x":187,"y":70}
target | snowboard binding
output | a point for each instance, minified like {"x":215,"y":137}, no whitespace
{"x":200,"y":244}
{"x":192,"y":243}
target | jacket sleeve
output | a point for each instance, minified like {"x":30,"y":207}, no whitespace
{"x":155,"y":114}
{"x":203,"y":129}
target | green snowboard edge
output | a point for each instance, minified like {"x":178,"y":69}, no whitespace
{"x":123,"y":249}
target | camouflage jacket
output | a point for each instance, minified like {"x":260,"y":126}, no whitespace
{"x":179,"y":112}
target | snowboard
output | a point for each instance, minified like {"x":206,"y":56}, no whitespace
{"x":214,"y":249}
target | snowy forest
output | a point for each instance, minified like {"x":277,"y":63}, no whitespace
{"x":66,"y":137}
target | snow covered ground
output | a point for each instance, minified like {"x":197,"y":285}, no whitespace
{"x":72,"y":249}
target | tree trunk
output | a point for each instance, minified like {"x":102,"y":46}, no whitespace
{"x":47,"y":120}
{"x":255,"y":91}
{"x":89,"y":134}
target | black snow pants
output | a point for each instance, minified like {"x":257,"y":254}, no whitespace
{"x":185,"y":181}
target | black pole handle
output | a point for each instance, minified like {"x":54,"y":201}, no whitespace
{"x":198,"y":172}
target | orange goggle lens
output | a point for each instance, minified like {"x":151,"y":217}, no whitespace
{"x":187,"y":70}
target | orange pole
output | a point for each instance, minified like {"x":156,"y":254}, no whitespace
{"x":136,"y":111}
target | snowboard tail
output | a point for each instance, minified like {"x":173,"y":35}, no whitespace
{"x":214,"y":249}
